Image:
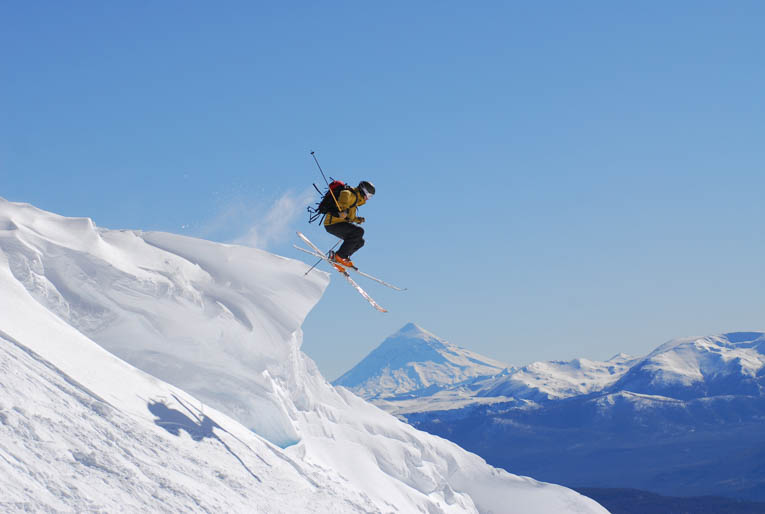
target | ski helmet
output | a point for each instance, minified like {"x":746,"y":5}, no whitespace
{"x":367,"y":188}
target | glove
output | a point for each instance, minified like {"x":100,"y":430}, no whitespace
{"x":359,"y":220}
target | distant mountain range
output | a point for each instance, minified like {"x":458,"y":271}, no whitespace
{"x":687,"y":419}
{"x":416,"y":371}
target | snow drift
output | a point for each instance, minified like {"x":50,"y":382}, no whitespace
{"x":95,"y":326}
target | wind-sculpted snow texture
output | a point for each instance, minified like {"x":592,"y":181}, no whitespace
{"x":684,"y":420}
{"x":95,"y":326}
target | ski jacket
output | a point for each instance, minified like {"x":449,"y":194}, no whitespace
{"x":348,"y":200}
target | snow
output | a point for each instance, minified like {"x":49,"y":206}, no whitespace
{"x":64,"y":447}
{"x":156,"y":372}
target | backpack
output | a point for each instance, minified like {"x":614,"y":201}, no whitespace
{"x":327,"y":204}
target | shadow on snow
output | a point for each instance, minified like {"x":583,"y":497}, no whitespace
{"x":199,"y":427}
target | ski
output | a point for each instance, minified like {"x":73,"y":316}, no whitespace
{"x":317,"y":253}
{"x":350,"y":280}
{"x":379,"y":281}
{"x":355,"y":269}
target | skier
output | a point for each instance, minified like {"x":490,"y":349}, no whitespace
{"x":343,"y":222}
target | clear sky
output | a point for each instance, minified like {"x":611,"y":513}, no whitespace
{"x":555,"y":179}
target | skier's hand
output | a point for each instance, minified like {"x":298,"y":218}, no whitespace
{"x":359,"y":220}
{"x":343,"y":215}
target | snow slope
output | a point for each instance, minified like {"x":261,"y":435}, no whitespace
{"x":104,"y":441}
{"x":96,"y":324}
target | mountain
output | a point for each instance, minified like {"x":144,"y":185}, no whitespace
{"x":729,"y":364}
{"x":684,"y":420}
{"x":413,"y":362}
{"x":155,"y":372}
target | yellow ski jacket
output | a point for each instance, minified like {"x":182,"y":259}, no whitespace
{"x":348,"y":200}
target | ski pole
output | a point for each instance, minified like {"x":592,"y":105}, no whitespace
{"x":317,"y":262}
{"x":312,"y":267}
{"x":326,"y":181}
{"x":313,"y":154}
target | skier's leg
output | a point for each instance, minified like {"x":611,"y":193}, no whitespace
{"x":352,"y":236}
{"x":356,"y":241}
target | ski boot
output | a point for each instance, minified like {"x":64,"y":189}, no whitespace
{"x":339,"y":262}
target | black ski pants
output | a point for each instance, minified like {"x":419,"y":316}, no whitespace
{"x":352,"y":236}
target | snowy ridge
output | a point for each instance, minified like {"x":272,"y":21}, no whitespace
{"x":167,"y":303}
{"x":95,"y":326}
{"x":697,"y":367}
{"x":541,"y":381}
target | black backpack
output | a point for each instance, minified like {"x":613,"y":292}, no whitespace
{"x":327,"y":204}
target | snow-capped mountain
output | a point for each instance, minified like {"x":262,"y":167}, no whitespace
{"x":415,"y":371}
{"x":684,"y":420}
{"x":728,"y":364}
{"x":155,"y":372}
{"x":413,"y":362}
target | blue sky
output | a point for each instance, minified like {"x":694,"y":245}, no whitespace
{"x":554,"y":180}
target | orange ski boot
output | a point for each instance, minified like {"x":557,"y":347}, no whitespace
{"x":337,"y":261}
{"x":345,"y":262}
